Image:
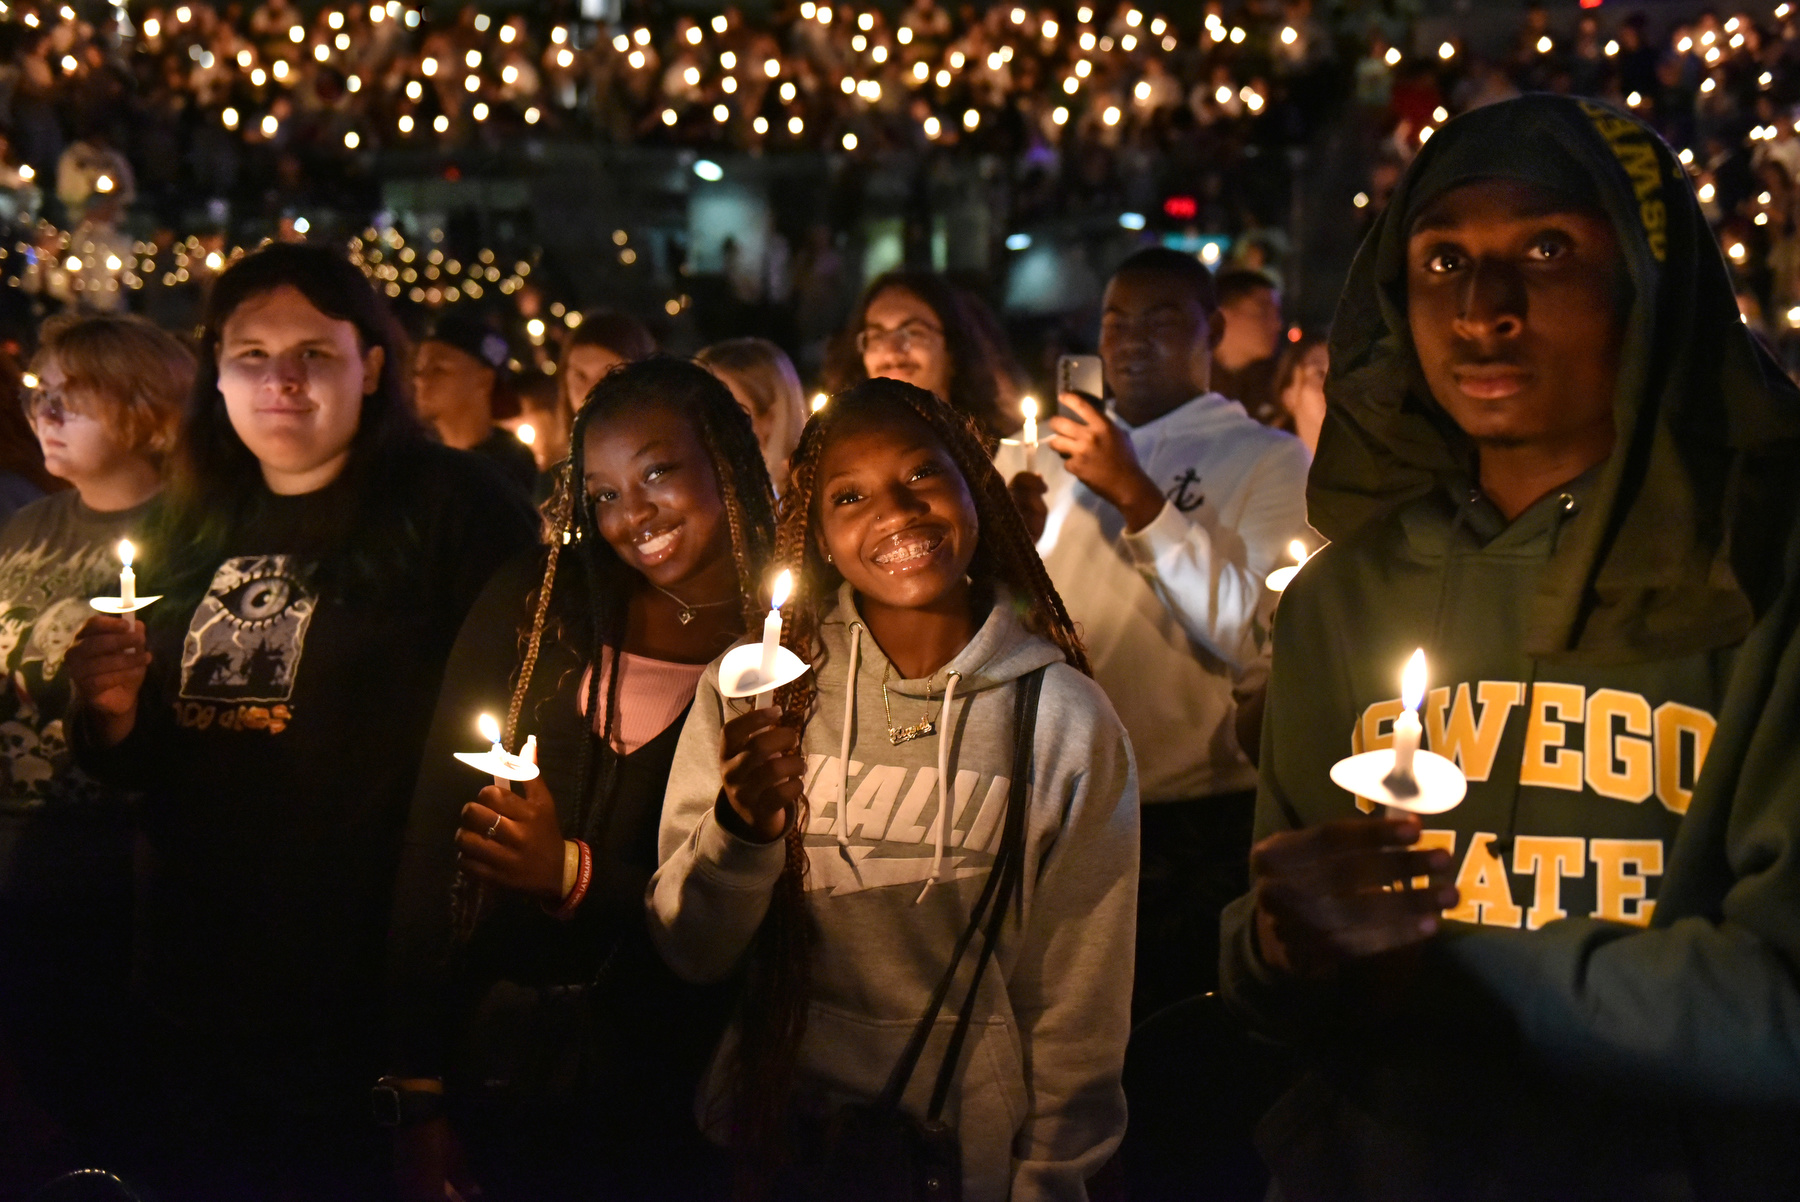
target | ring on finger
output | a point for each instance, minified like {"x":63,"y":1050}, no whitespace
{"x":494,"y":828}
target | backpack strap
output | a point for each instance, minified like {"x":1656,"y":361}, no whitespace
{"x":1002,"y":877}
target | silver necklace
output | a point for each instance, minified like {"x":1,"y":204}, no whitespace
{"x":686,"y":614}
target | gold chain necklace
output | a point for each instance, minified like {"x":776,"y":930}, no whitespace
{"x":918,"y":730}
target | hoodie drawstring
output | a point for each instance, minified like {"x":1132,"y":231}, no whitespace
{"x":942,"y":836}
{"x":837,"y":823}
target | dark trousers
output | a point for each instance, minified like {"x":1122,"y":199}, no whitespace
{"x":1195,"y":860}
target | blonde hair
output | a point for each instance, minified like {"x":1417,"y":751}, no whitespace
{"x":138,"y":374}
{"x":760,"y":372}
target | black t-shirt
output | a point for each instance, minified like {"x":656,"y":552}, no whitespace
{"x":278,"y":739}
{"x":61,"y":831}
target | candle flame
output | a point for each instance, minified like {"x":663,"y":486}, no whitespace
{"x":784,"y":585}
{"x":490,"y":729}
{"x":818,"y":402}
{"x":126,"y":551}
{"x":1412,"y":681}
{"x":527,"y":433}
{"x":1028,"y":407}
{"x":1298,"y":550}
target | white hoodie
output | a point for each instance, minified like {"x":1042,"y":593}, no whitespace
{"x":1040,"y":1107}
{"x":1176,"y":614}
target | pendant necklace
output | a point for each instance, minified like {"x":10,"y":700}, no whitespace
{"x":687,"y":611}
{"x":918,"y":730}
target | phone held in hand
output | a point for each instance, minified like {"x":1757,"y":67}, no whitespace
{"x":1082,"y":374}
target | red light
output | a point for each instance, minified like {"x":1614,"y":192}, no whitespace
{"x":1590,"y":3}
{"x":1293,"y":333}
{"x":1182,"y":208}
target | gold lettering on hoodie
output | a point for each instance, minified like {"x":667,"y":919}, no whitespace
{"x":1627,"y":750}
{"x":1683,"y":737}
{"x":1632,"y":147}
{"x":1486,"y":892}
{"x":1549,"y":859}
{"x":1619,"y":765}
{"x":1547,"y":763}
{"x":1459,"y":736}
{"x":1622,"y":890}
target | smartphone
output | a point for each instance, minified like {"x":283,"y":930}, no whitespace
{"x":1080,"y":373}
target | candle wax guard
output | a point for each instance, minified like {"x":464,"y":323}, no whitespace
{"x":1442,"y":784}
{"x":116,"y":605}
{"x":1280,"y":578}
{"x":741,"y":674}
{"x":502,"y":764}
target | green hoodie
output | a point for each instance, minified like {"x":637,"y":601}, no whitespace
{"x":1613,"y":1008}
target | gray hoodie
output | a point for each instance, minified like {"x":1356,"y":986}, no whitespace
{"x":1040,"y":1107}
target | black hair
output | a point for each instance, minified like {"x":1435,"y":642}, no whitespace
{"x":1174,"y":264}
{"x":593,"y":615}
{"x":216,"y":484}
{"x":979,"y":358}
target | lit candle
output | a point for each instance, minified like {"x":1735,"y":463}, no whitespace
{"x":818,"y":401}
{"x":490,"y":730}
{"x":1406,"y":727}
{"x":127,"y":577}
{"x":771,"y":639}
{"x":1029,"y":407}
{"x":1280,"y":578}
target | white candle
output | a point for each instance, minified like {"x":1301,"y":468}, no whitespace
{"x":771,"y":638}
{"x":1029,"y":407}
{"x":127,"y":577}
{"x":1406,"y":727}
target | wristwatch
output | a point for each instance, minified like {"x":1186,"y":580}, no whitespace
{"x":401,"y":1101}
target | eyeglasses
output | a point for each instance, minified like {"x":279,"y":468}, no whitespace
{"x":902,"y":337}
{"x":48,"y":405}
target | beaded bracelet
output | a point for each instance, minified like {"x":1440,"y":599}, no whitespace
{"x":566,"y":910}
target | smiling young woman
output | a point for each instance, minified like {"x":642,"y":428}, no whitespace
{"x":316,"y":557}
{"x":919,"y":328}
{"x":796,"y":837}
{"x":593,"y":646}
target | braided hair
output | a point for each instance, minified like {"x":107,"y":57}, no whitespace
{"x":1004,"y":554}
{"x":593,"y":615}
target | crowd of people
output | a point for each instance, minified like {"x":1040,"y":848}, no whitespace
{"x":436,"y":763}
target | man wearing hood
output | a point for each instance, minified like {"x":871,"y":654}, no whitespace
{"x":1554,"y":459}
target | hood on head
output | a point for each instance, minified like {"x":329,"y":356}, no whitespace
{"x":1681,"y":542}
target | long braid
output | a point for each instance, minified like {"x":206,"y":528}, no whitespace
{"x":572,"y":528}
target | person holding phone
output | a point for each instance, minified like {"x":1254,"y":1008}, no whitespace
{"x":1158,"y":519}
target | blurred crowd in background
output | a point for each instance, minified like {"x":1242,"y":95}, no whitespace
{"x":146,"y":146}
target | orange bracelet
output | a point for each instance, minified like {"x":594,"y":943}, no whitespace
{"x":566,"y":910}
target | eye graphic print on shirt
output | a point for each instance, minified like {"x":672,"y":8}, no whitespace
{"x":891,"y":824}
{"x":246,"y":638}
